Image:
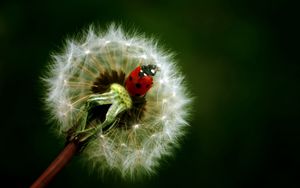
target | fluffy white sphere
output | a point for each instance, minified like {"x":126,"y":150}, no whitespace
{"x":136,"y":149}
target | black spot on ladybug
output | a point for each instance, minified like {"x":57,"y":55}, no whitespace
{"x":130,"y":78}
{"x":137,"y":95}
{"x":138,"y":85}
{"x":147,"y":85}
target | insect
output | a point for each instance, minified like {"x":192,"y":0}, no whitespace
{"x":118,"y":97}
{"x":140,"y":80}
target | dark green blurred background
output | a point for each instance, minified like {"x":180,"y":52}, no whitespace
{"x":239,"y":61}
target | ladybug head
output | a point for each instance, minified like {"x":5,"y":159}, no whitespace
{"x":148,"y":70}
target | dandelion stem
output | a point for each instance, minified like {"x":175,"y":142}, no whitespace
{"x":61,"y":160}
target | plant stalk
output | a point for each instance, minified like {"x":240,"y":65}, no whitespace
{"x":61,"y":160}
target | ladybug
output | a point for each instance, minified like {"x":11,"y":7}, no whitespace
{"x":140,"y":80}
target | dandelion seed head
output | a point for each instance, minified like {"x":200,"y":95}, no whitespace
{"x":133,"y":146}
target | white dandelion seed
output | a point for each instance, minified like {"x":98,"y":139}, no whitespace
{"x":141,"y":133}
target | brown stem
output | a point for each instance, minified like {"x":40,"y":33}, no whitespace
{"x":61,"y":160}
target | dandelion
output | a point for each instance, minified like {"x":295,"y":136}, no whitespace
{"x":120,"y":99}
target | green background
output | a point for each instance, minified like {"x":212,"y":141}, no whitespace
{"x":239,"y":59}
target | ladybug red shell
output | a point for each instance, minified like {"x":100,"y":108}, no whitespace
{"x":140,"y":80}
